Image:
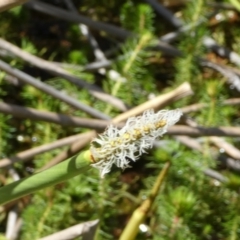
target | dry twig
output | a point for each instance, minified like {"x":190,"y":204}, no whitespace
{"x":51,"y":91}
{"x":77,"y":18}
{"x":203,"y":131}
{"x":86,"y":230}
{"x":58,"y":71}
{"x":28,"y":154}
{"x":61,"y":119}
{"x":8,"y":4}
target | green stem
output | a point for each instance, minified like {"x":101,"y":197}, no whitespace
{"x":59,"y":173}
{"x":235,"y":3}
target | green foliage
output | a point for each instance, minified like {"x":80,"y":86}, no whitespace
{"x":191,"y":205}
{"x":137,"y":17}
{"x":134,"y":71}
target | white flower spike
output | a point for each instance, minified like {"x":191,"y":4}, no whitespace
{"x":119,"y":147}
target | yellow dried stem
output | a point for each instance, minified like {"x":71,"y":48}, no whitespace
{"x":139,"y":215}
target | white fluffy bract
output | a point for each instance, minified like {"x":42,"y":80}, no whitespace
{"x":119,"y":147}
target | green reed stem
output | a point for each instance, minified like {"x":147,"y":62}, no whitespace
{"x":54,"y":175}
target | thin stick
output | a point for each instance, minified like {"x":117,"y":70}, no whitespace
{"x":194,"y":144}
{"x":61,"y":119}
{"x":58,"y":71}
{"x":198,"y":106}
{"x":13,"y":214}
{"x":74,"y":231}
{"x":164,"y":12}
{"x":51,"y":91}
{"x":28,"y":154}
{"x":74,"y":149}
{"x":7,"y":4}
{"x":222,"y":51}
{"x":232,"y":101}
{"x":203,"y":131}
{"x":158,"y":102}
{"x":214,"y":174}
{"x":228,"y":148}
{"x":208,"y":42}
{"x":77,"y":18}
{"x":99,"y":55}
{"x":232,"y":77}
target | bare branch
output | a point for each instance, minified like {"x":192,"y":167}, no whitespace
{"x":51,"y":91}
{"x":61,"y":119}
{"x":28,"y":154}
{"x":75,"y":231}
{"x":165,"y":13}
{"x":203,"y":131}
{"x":7,"y":4}
{"x":72,"y":150}
{"x":77,"y":18}
{"x":58,"y":71}
{"x":159,"y":102}
{"x":222,"y":51}
{"x":227,"y":147}
{"x":194,"y":144}
{"x":216,"y":175}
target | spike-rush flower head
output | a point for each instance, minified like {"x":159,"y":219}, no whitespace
{"x":119,"y":147}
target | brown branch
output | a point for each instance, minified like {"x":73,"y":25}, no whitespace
{"x":77,"y":18}
{"x":228,"y":147}
{"x":61,"y":119}
{"x":194,"y":144}
{"x":220,"y":143}
{"x":86,"y":228}
{"x":73,"y":149}
{"x":7,"y":4}
{"x":157,"y":103}
{"x":51,"y":91}
{"x":199,"y":106}
{"x":28,"y":154}
{"x":214,"y":174}
{"x":232,"y":101}
{"x":58,"y":71}
{"x":203,"y":131}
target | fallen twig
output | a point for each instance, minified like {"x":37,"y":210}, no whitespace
{"x":8,"y":4}
{"x":77,"y":18}
{"x":165,"y":13}
{"x":99,"y":55}
{"x":61,"y":119}
{"x":86,"y":230}
{"x":203,"y":131}
{"x":28,"y":154}
{"x":51,"y":91}
{"x":227,"y":147}
{"x":159,"y":102}
{"x":221,"y":51}
{"x":58,"y":71}
{"x":198,"y":106}
{"x":13,"y":214}
{"x":194,"y":144}
{"x":216,"y":175}
{"x":231,"y":76}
